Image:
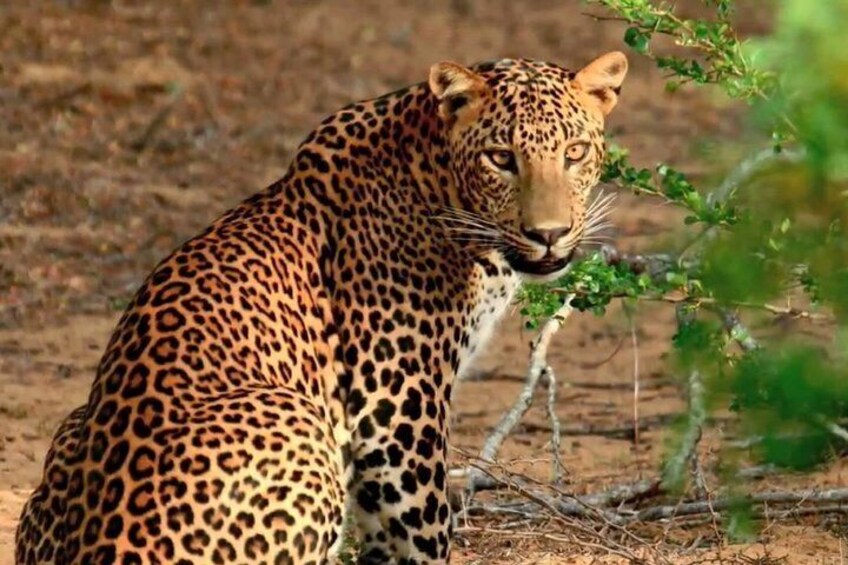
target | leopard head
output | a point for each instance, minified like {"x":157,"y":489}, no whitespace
{"x":526,"y":147}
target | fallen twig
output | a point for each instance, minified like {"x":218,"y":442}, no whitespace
{"x":614,"y":507}
{"x":656,"y":383}
{"x":622,"y":432}
{"x":717,"y":505}
{"x":757,"y":472}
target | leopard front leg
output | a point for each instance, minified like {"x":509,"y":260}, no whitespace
{"x":399,"y":447}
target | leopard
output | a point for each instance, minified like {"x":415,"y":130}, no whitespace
{"x":290,"y":369}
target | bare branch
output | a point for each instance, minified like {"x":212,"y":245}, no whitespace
{"x":538,"y":365}
{"x":556,"y":462}
{"x":635,"y":343}
{"x":738,"y":332}
{"x":687,"y":452}
{"x":751,"y":166}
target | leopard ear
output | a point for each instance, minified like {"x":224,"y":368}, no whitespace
{"x":601,"y":79}
{"x":458,"y":89}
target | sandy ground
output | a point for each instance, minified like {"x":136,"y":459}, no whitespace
{"x":126,"y":128}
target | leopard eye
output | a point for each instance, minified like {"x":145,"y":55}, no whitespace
{"x":576,"y":152}
{"x":503,"y":159}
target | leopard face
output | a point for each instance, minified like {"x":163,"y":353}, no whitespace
{"x":527,"y":145}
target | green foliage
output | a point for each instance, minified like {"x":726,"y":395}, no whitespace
{"x":594,"y":284}
{"x":667,"y":183}
{"x":744,"y":265}
{"x":699,"y":344}
{"x":807,"y":51}
{"x":774,"y":227}
{"x":724,"y":60}
{"x":788,"y":396}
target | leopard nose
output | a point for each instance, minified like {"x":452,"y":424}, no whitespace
{"x":547,"y":237}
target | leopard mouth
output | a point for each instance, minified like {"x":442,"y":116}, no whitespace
{"x":543,"y":267}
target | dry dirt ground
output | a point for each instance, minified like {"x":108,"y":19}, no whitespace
{"x":127,"y":127}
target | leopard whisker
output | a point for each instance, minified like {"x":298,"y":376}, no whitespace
{"x":601,"y":203}
{"x":456,"y":215}
{"x":475,"y":240}
{"x":598,"y":226}
{"x":472,"y":229}
{"x":601,"y":241}
{"x":600,"y":209}
{"x":458,"y":224}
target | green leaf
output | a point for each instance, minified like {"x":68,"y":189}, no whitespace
{"x":637,"y":39}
